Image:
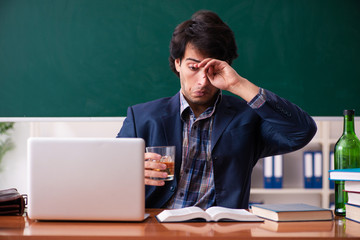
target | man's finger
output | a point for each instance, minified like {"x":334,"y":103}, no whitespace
{"x":152,"y":182}
{"x":152,"y":156}
{"x":156,"y":174}
{"x":154,"y":165}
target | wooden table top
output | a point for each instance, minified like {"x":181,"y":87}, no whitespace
{"x":21,"y":227}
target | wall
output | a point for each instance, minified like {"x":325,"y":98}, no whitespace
{"x":14,"y":166}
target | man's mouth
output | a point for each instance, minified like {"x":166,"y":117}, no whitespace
{"x":200,"y":93}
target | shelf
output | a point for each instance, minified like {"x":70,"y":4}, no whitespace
{"x":286,"y":191}
{"x":329,"y":130}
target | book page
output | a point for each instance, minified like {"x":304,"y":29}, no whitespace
{"x":222,"y":213}
{"x":183,"y":214}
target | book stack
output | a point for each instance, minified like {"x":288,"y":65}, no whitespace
{"x":351,"y":178}
{"x":312,"y":169}
{"x":273,"y":171}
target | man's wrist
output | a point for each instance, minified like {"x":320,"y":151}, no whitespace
{"x":245,"y":89}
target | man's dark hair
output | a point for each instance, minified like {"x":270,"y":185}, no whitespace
{"x":208,"y":33}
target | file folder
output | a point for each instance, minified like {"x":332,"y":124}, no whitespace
{"x":268,"y":172}
{"x":278,"y":171}
{"x":273,"y":171}
{"x":331,"y":167}
{"x":308,"y":169}
{"x":317,"y":180}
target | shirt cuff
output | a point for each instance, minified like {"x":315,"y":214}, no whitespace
{"x":258,"y":100}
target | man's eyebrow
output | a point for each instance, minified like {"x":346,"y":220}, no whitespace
{"x":193,"y":59}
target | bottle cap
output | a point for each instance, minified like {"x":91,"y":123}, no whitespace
{"x":349,"y":112}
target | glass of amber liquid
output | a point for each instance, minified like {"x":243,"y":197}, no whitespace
{"x":167,"y":157}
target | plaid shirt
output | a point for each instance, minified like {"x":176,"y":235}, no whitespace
{"x":196,"y":186}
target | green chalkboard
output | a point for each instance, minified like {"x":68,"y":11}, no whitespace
{"x":94,"y":58}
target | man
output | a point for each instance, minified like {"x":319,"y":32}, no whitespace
{"x":218,"y":138}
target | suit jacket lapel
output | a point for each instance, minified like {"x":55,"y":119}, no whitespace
{"x":223,"y":116}
{"x":172,"y":126}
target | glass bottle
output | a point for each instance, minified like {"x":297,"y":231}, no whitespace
{"x":347,"y":155}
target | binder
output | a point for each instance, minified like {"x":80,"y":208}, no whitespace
{"x":268,"y":172}
{"x":318,"y":162}
{"x":331,"y":167}
{"x":308,"y":169}
{"x":273,"y":171}
{"x":278,"y":171}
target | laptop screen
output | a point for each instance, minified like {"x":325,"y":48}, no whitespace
{"x":86,"y":179}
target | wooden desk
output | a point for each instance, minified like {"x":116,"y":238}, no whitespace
{"x":24,"y":228}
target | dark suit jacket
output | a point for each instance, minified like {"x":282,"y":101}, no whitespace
{"x":241,"y":135}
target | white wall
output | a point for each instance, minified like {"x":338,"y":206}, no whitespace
{"x":13,"y":172}
{"x":13,"y":165}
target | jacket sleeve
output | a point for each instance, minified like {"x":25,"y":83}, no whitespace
{"x":285,"y":127}
{"x":128,"y":128}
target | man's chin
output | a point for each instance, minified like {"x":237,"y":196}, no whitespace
{"x":202,"y":101}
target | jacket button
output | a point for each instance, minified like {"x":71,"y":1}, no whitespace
{"x":172,"y":188}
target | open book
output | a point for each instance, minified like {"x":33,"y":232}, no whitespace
{"x":213,"y":214}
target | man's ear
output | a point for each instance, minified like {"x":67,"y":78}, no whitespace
{"x":177,"y":64}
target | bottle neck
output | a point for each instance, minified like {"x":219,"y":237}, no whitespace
{"x":349,"y":124}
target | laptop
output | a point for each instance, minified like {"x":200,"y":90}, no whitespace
{"x":90,"y":179}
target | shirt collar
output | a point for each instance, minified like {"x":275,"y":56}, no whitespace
{"x":185,"y":107}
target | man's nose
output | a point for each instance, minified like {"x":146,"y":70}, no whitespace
{"x":203,"y":79}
